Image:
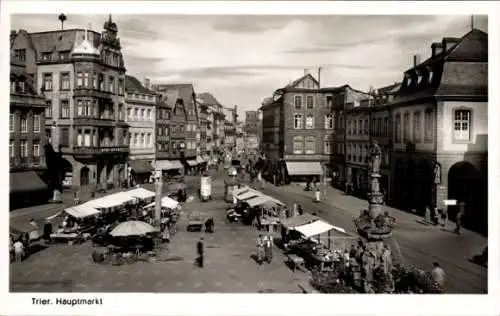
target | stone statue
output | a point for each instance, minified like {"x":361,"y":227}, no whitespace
{"x":375,"y":157}
{"x":437,"y":173}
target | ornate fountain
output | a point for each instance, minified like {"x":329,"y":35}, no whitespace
{"x":372,"y":224}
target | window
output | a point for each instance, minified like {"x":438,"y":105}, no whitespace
{"x":386,"y":126}
{"x":20,"y":54}
{"x":397,"y":121}
{"x":148,"y":139}
{"x":64,"y":55}
{"x":406,"y":123}
{"x":358,"y":153}
{"x":64,"y":109}
{"x":430,"y":76}
{"x":129,"y":113}
{"x":462,"y":122}
{"x":79,"y":79}
{"x":24,"y":124}
{"x":348,"y":151}
{"x":36,"y":148}
{"x":310,"y":101}
{"x":86,"y":82}
{"x":349,"y":127}
{"x":360,"y":127}
{"x":24,"y":148}
{"x":143,"y":142}
{"x":120,"y":86}
{"x":150,"y":115}
{"x":143,"y":117}
{"x":298,"y":121}
{"x":87,"y":111}
{"x":136,"y":139}
{"x":96,"y":108}
{"x":11,"y":122}
{"x":36,"y":123}
{"x":298,"y":102}
{"x":79,"y":106}
{"x":310,"y":147}
{"x":429,"y":125}
{"x":111,"y":84}
{"x":329,"y":102}
{"x":101,"y":82}
{"x":11,"y":149}
{"x":327,"y":145}
{"x":365,"y":127}
{"x":136,"y":114}
{"x":329,"y":120}
{"x":95,"y":83}
{"x":65,"y":81}
{"x":310,"y":121}
{"x":364,"y":156}
{"x":373,"y":128}
{"x":47,"y":82}
{"x":298,"y":145}
{"x":416,"y":126}
{"x":46,"y":56}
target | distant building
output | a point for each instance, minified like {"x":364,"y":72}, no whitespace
{"x":440,"y":130}
{"x":81,"y":74}
{"x":141,"y":117}
{"x":177,"y":128}
{"x":215,"y":125}
{"x":231,"y":118}
{"x":27,"y":139}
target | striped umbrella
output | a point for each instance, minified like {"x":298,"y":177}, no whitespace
{"x":132,"y":228}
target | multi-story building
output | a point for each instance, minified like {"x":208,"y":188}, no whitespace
{"x":381,"y":131}
{"x":141,"y":117}
{"x":203,"y":130}
{"x":215,"y":125}
{"x":81,"y":74}
{"x":27,"y":138}
{"x":240,"y":138}
{"x":293,"y":130}
{"x":176,"y":141}
{"x":440,"y":130}
{"x":253,"y":132}
{"x":336,"y":100}
{"x":357,"y":146}
{"x":231,"y":118}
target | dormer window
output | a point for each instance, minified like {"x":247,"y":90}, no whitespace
{"x":408,"y":80}
{"x":430,"y":75}
{"x":46,"y":56}
{"x":419,"y":78}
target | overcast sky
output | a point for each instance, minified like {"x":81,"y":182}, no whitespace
{"x":243,"y":59}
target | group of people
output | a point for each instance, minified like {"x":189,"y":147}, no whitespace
{"x":264,"y":249}
{"x":437,"y":216}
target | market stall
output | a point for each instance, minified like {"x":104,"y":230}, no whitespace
{"x":79,"y":220}
{"x":141,"y":194}
{"x":166,"y":202}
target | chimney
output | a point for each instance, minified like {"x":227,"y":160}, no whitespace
{"x":437,"y":48}
{"x":416,"y":60}
{"x":147,"y":83}
{"x":319,"y":77}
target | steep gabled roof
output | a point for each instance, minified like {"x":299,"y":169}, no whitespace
{"x":133,"y":85}
{"x":62,"y":40}
{"x":208,"y":98}
{"x":297,"y":81}
{"x":473,"y":47}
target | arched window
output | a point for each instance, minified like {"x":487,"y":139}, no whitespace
{"x":298,"y":145}
{"x":310,"y":147}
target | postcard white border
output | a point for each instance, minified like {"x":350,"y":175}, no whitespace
{"x":276,"y":304}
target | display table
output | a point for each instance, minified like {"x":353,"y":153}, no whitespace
{"x":296,"y":261}
{"x":323,"y":261}
{"x":270,"y":224}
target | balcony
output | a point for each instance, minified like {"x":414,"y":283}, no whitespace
{"x":94,"y":151}
{"x":93,"y":121}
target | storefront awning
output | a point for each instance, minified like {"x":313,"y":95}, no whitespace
{"x":191,"y":163}
{"x":248,"y":195}
{"x":300,"y":220}
{"x":314,"y":228}
{"x":168,"y":164}
{"x":312,"y":168}
{"x":111,"y":200}
{"x":141,"y":166}
{"x":261,"y":200}
{"x":81,"y":211}
{"x":26,"y":181}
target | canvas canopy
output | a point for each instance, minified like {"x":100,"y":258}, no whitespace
{"x":111,"y":200}
{"x":248,"y":195}
{"x":300,"y":220}
{"x":165,"y":202}
{"x":141,"y":193}
{"x":318,"y":227}
{"x":262,"y":199}
{"x":81,"y":211}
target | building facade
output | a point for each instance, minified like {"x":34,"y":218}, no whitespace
{"x":141,"y":117}
{"x":215,"y":126}
{"x":440,"y":130}
{"x":179,"y":120}
{"x":26,"y":139}
{"x":357,"y":146}
{"x":81,"y":74}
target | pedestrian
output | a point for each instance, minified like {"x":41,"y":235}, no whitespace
{"x":301,"y":211}
{"x":269,"y":248}
{"x":438,"y":275}
{"x":444,"y":216}
{"x":199,"y":248}
{"x":18,"y":250}
{"x":260,"y":249}
{"x":427,"y":216}
{"x":460,"y":215}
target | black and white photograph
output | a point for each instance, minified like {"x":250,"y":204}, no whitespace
{"x":247,"y":153}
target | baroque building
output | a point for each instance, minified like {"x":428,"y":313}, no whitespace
{"x":81,"y":75}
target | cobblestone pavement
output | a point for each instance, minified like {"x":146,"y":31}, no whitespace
{"x":229,"y":266}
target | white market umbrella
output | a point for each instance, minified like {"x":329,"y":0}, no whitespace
{"x":132,"y":228}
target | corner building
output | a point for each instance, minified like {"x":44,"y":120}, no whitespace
{"x":81,"y":75}
{"x":440,"y":126}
